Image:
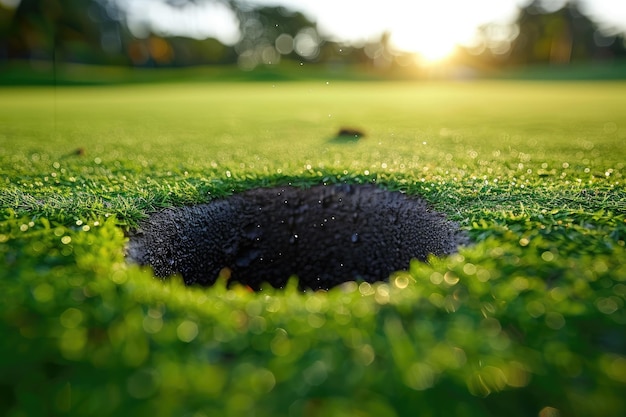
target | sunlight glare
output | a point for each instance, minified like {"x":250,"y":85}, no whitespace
{"x":431,"y":31}
{"x":436,"y":52}
{"x":433,"y":50}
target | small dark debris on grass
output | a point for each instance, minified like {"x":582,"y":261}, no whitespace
{"x":325,"y":235}
{"x":352,"y":132}
{"x":75,"y":152}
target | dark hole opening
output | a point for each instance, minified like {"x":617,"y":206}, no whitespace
{"x":324,"y":235}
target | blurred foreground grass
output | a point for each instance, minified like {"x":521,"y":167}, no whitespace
{"x":527,"y":321}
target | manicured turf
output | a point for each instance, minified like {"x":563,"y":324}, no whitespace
{"x":527,"y":321}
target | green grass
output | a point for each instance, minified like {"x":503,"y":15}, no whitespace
{"x":527,"y":321}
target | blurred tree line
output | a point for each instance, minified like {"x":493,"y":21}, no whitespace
{"x":539,"y":36}
{"x":97,"y":32}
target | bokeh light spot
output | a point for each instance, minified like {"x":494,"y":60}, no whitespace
{"x":187,"y":331}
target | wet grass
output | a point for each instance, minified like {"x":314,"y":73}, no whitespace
{"x":527,"y":321}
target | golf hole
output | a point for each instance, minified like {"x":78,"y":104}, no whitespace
{"x":324,"y":235}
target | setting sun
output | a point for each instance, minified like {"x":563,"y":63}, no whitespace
{"x":428,"y":49}
{"x":430,"y":31}
{"x":436,"y":52}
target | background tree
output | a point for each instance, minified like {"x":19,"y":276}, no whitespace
{"x":65,"y":30}
{"x":267,"y":33}
{"x":558,"y":37}
{"x":540,"y":36}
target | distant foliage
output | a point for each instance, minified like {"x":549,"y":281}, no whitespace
{"x":95,"y":31}
{"x":557,"y":37}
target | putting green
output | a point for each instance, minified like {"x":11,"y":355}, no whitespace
{"x":528,"y":320}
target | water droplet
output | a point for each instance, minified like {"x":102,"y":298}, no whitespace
{"x":354,"y":238}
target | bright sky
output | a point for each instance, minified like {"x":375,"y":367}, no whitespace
{"x":429,"y":27}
